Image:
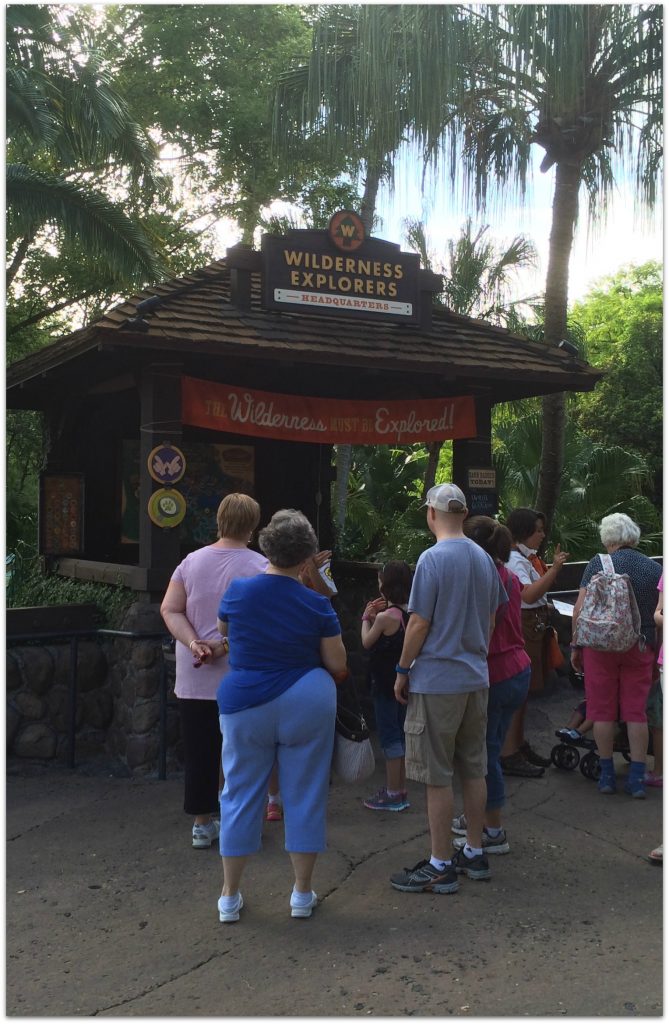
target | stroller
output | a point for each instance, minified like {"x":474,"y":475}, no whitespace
{"x":566,"y":754}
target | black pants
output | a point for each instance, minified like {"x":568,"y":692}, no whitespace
{"x":201,"y":735}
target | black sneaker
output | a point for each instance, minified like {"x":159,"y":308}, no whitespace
{"x":423,"y":877}
{"x":474,"y":867}
{"x":534,"y":758}
{"x":516,"y":764}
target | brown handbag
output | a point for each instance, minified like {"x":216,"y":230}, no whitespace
{"x":553,"y":655}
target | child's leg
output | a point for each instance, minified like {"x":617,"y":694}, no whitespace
{"x":395,"y":774}
{"x":395,"y":771}
{"x":579,"y":718}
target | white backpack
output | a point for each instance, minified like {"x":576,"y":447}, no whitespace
{"x":609,"y":619}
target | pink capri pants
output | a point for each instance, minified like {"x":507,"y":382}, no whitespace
{"x":617,"y":683}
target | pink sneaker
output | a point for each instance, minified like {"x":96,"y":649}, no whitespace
{"x":651,"y":779}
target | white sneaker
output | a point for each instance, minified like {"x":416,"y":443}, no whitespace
{"x":498,"y":844}
{"x":204,"y":835}
{"x":303,"y":911}
{"x":459,"y":825}
{"x":230,"y":915}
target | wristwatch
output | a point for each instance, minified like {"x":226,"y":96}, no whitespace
{"x":402,"y":671}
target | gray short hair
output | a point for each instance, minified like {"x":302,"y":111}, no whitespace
{"x":619,"y":529}
{"x":288,"y":539}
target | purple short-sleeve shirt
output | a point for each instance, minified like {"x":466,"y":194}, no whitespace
{"x":206,"y":575}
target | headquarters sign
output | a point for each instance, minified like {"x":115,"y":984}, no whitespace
{"x":340,"y":272}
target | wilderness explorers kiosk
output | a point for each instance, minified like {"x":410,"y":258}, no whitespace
{"x":242,"y":376}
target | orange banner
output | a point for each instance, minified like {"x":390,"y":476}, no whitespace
{"x":325,"y":420}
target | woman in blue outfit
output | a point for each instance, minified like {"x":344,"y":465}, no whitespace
{"x":277,"y":702}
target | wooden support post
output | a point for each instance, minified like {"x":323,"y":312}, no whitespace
{"x":475,"y":453}
{"x":160,"y":421}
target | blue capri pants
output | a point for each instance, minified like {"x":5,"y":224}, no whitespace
{"x":297,"y":730}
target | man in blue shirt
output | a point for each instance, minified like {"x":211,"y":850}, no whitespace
{"x":442,"y":675}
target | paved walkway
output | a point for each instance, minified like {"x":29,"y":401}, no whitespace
{"x":110,"y":911}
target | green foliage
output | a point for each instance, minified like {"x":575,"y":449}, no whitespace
{"x":622,"y":322}
{"x":204,"y":76}
{"x":29,"y":587}
{"x":383,"y":515}
{"x":597,"y":480}
{"x":24,"y":454}
{"x":36,"y":199}
{"x":66,"y":122}
{"x":478,"y":273}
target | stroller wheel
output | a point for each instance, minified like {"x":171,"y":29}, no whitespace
{"x":590,"y":766}
{"x":565,"y":757}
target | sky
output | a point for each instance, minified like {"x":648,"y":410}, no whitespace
{"x":626,"y":237}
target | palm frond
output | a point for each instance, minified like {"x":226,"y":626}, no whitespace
{"x":35,"y":199}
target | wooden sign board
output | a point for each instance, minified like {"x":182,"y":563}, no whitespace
{"x":482,"y":503}
{"x":61,"y":514}
{"x":481,"y":478}
{"x":313,"y":272}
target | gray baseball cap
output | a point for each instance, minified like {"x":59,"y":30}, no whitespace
{"x":446,"y":498}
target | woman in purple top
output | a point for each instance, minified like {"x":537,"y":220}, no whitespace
{"x":189,"y":610}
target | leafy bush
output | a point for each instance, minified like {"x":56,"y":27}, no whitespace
{"x":28,"y":586}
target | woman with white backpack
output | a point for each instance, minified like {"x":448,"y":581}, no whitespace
{"x":614,"y":645}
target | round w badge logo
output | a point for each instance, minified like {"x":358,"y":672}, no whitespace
{"x":346,"y":230}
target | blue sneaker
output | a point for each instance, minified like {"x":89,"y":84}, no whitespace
{"x":636,"y":788}
{"x":382,"y":801}
{"x":606,"y":784}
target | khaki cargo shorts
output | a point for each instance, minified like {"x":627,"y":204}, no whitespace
{"x":444,"y":731}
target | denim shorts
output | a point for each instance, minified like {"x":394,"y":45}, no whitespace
{"x":390,"y":715}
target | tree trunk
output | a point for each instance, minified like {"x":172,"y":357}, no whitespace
{"x":433,"y":452}
{"x":344,"y":451}
{"x":58,"y":308}
{"x":565,"y":214}
{"x":19,"y":256}
{"x":373,"y":177}
{"x":344,"y":454}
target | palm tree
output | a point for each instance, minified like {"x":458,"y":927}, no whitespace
{"x":315,"y":99}
{"x":65,"y":121}
{"x":477,"y":277}
{"x":480,"y":86}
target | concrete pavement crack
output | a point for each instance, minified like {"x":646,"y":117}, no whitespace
{"x":354,"y":864}
{"x":160,"y":984}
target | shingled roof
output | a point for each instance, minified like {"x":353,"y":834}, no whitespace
{"x":194,"y":316}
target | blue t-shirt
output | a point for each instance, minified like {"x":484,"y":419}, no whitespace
{"x":457,"y":588}
{"x":275,"y":626}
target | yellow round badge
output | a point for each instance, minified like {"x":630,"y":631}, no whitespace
{"x":166,"y":507}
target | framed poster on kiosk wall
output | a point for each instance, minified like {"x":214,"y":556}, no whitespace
{"x":61,"y":514}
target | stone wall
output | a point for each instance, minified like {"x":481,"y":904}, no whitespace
{"x":118,"y":705}
{"x":37,"y":687}
{"x":135,"y":668}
